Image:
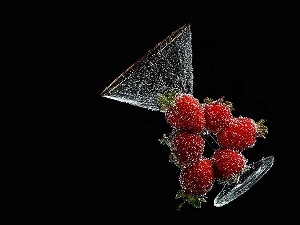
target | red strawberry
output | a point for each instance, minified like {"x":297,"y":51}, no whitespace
{"x":195,"y":181}
{"x":183,"y":111}
{"x":186,"y":147}
{"x":227,"y":165}
{"x":241,"y":133}
{"x":218,"y":114}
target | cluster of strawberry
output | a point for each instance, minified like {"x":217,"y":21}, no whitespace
{"x":190,"y":120}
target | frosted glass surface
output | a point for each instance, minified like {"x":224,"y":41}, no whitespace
{"x":166,"y":67}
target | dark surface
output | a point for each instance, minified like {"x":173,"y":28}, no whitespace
{"x":108,"y":163}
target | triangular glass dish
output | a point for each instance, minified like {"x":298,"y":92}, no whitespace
{"x":166,"y":67}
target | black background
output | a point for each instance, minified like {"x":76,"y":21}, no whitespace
{"x":101,"y":158}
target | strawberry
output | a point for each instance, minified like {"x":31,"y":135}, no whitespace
{"x":241,"y":133}
{"x":217,"y":114}
{"x":186,"y":147}
{"x":182,"y":111}
{"x":195,"y":181}
{"x":228,"y":165}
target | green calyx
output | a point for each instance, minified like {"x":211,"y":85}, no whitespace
{"x":165,"y":101}
{"x":193,"y":200}
{"x":219,"y":101}
{"x":165,"y":140}
{"x":262,"y":130}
